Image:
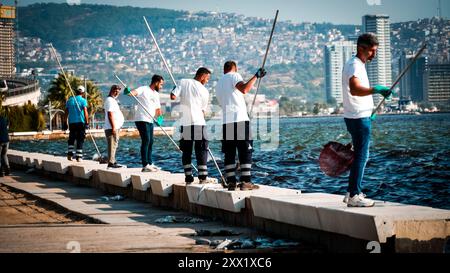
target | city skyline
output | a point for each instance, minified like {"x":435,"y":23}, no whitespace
{"x":295,"y":10}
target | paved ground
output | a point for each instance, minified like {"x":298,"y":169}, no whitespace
{"x":20,"y":208}
{"x":37,"y":215}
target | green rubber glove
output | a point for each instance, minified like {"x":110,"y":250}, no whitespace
{"x":373,"y":117}
{"x":160,"y":121}
{"x":382,"y":90}
{"x":127,"y":91}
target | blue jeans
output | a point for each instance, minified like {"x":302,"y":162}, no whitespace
{"x":360,"y":130}
{"x":146,"y":132}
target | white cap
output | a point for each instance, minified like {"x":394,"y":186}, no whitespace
{"x":81,"y":89}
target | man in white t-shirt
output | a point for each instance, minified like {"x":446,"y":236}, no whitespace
{"x":148,"y":96}
{"x":358,"y":107}
{"x":113,"y":122}
{"x":194,"y":98}
{"x":230,"y":91}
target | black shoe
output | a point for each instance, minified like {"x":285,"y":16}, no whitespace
{"x":7,"y":172}
{"x":2,"y":174}
{"x":189,"y":180}
{"x":114,"y":166}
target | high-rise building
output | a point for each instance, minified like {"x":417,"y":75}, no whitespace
{"x":412,"y":85}
{"x":7,"y":61}
{"x":437,"y":83}
{"x":336,"y":55}
{"x":380,"y":69}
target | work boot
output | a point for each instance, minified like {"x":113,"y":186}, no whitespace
{"x":114,"y":166}
{"x":69,"y":157}
{"x":189,"y":179}
{"x":248,"y":186}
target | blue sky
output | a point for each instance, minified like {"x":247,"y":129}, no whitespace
{"x":334,"y":11}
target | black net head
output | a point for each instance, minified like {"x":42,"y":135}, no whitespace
{"x":336,"y":159}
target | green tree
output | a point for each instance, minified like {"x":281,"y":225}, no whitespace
{"x":316,"y":110}
{"x":60,"y":92}
{"x":289,"y":107}
{"x":94,"y":97}
{"x":25,"y":118}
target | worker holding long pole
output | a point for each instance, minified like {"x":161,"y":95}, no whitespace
{"x":149,"y":109}
{"x":230,"y":91}
{"x":76,"y":103}
{"x":76,"y":110}
{"x":358,"y":106}
{"x":336,"y":158}
{"x":194,"y":99}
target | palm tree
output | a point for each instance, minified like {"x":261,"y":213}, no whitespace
{"x":94,"y":98}
{"x":59,"y":93}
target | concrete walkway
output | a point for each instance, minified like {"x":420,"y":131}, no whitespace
{"x":123,"y":226}
{"x":317,"y":218}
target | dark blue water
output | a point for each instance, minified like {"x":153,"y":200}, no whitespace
{"x":409,"y":161}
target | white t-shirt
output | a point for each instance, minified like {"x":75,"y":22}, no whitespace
{"x":194,"y":99}
{"x":150,"y":99}
{"x":230,"y":99}
{"x":111,"y":105}
{"x":356,"y":107}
